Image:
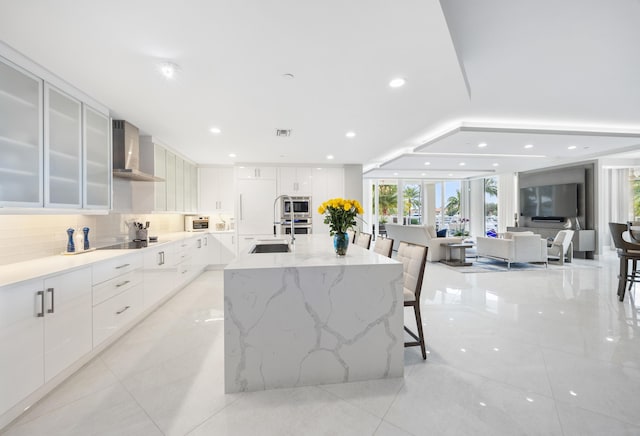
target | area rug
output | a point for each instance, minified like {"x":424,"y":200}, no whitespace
{"x":486,"y":265}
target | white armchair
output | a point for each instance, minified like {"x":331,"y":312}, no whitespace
{"x":562,"y":246}
{"x":516,"y":247}
{"x":422,"y":235}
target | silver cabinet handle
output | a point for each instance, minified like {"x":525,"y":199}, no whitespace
{"x":206,"y":241}
{"x":41,"y":313}
{"x":199,"y":243}
{"x":122,"y":310}
{"x":259,"y":175}
{"x":233,"y":239}
{"x":159,"y":262}
{"x":240,"y":207}
{"x":123,"y":283}
{"x":162,"y":257}
{"x":123,"y":266}
{"x":52,"y":301}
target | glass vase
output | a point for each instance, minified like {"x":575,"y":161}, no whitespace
{"x":341,"y":243}
{"x":85,"y":230}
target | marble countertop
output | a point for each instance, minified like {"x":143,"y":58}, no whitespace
{"x":308,"y":250}
{"x":50,"y":265}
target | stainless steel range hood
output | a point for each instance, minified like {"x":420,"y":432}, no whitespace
{"x":126,"y":153}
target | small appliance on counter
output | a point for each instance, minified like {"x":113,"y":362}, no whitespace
{"x":195,"y":223}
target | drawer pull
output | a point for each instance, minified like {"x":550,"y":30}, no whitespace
{"x":52,"y":301}
{"x":123,"y":266}
{"x":122,"y":310}
{"x":123,"y":283}
{"x":41,"y":313}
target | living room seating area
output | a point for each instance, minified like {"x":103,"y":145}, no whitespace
{"x":422,"y":235}
{"x":513,"y":247}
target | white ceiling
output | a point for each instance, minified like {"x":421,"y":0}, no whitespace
{"x":558,"y":65}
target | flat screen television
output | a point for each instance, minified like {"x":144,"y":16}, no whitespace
{"x":549,"y":201}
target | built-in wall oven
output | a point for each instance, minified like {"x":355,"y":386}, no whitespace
{"x":302,"y":215}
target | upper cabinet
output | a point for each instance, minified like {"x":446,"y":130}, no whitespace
{"x":249,"y":172}
{"x":217,"y":189}
{"x":56,"y":150}
{"x":21,"y":144}
{"x":295,"y":181}
{"x":62,"y":149}
{"x":97,"y":162}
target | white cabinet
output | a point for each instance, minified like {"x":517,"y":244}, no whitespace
{"x":21,"y":341}
{"x":159,"y":273}
{"x":21,"y":146}
{"x":97,"y":159}
{"x":117,"y":295}
{"x":153,"y":160}
{"x":295,"y":181}
{"x":217,"y":189}
{"x":228,"y":249}
{"x":45,"y":326}
{"x":327,"y":183}
{"x":67,"y":320}
{"x":63,"y":149}
{"x":222,"y":248}
{"x":170,"y":181}
{"x":255,"y":206}
{"x":245,"y":172}
{"x":179,"y":184}
{"x":188,"y":207}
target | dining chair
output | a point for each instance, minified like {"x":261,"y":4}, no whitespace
{"x":414,"y":259}
{"x":383,"y":246}
{"x":562,"y":246}
{"x":627,"y":252}
{"x":364,"y":240}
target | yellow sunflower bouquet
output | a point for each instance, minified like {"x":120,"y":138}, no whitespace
{"x":340,"y":214}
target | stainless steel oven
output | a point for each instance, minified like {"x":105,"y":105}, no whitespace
{"x":301,"y":207}
{"x":301,"y":226}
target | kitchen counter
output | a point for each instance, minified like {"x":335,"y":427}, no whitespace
{"x":50,"y":265}
{"x":310,"y":317}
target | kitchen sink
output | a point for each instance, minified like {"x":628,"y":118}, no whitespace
{"x":271,"y":248}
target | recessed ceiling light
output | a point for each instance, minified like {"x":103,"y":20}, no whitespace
{"x":288,"y":76}
{"x":215,"y":130}
{"x":496,"y":164}
{"x":319,"y":168}
{"x":397,"y":82}
{"x":168,"y":70}
{"x":232,"y":155}
{"x":572,"y":147}
{"x":462,"y":164}
{"x":350,"y":134}
{"x":423,"y":174}
{"x":329,"y":156}
{"x":528,"y":146}
{"x":395,"y":174}
{"x":450,"y":175}
{"x":482,"y":145}
{"x":427,"y":163}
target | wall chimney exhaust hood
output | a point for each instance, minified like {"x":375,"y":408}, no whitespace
{"x":126,"y":153}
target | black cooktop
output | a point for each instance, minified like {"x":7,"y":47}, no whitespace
{"x":126,"y":245}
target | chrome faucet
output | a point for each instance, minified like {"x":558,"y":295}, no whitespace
{"x":275,"y":202}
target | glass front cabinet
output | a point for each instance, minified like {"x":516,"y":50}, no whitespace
{"x":21,"y":146}
{"x":55,"y":150}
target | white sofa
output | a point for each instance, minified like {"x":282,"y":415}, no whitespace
{"x":423,"y":235}
{"x":514,"y":247}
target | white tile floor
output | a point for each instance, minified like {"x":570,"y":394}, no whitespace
{"x":539,"y":351}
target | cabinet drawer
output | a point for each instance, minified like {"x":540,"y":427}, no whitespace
{"x":116,"y":267}
{"x":110,"y":315}
{"x":116,"y":285}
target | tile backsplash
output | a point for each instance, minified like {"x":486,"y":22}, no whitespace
{"x":26,"y":237}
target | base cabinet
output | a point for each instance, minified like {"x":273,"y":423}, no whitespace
{"x":45,"y":326}
{"x":159,"y":273}
{"x":67,"y":321}
{"x":21,"y":341}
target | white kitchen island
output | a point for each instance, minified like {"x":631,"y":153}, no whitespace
{"x":310,"y":317}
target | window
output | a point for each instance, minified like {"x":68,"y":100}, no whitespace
{"x":387,"y":206}
{"x":491,"y":206}
{"x":412,"y":199}
{"x":448,"y":203}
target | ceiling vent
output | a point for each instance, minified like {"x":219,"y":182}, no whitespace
{"x":283,"y":132}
